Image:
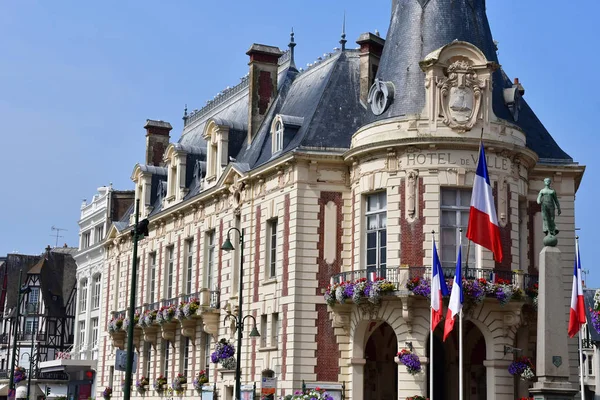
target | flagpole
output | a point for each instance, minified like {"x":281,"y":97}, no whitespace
{"x":581,"y":366}
{"x":431,"y":325}
{"x":460,"y":337}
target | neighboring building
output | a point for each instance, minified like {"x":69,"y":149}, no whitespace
{"x":45,"y":320}
{"x":337,"y":173}
{"x":591,"y":352}
{"x":96,"y":217}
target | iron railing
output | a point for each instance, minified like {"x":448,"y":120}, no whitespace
{"x":400,"y":276}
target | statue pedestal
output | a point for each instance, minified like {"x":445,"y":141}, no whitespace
{"x":552,"y":366}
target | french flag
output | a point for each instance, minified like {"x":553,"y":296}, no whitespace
{"x":577,"y":314}
{"x":456,"y":297}
{"x":483,"y":226}
{"x":438,"y":289}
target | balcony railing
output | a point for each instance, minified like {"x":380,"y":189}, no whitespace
{"x":207,"y":299}
{"x":400,"y":276}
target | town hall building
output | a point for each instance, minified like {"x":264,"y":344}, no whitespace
{"x":337,"y":175}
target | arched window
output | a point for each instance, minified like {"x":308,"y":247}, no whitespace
{"x":278,"y":137}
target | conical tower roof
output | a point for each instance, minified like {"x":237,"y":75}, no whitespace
{"x":419,"y":27}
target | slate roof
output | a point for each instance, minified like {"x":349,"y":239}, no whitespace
{"x":320,"y":107}
{"x":419,"y":27}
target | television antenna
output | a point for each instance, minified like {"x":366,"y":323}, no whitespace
{"x":57,"y":234}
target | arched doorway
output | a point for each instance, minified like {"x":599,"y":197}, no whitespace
{"x":445,"y":373}
{"x":381,"y":371}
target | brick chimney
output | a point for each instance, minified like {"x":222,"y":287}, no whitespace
{"x":157,"y":140}
{"x":371,"y":47}
{"x":263,"y":84}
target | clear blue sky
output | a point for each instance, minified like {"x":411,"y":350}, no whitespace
{"x":78,"y":80}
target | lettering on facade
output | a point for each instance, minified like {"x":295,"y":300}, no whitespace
{"x":463,"y":160}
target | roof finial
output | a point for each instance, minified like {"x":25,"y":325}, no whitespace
{"x":185,"y":114}
{"x":291,"y":46}
{"x":343,"y":41}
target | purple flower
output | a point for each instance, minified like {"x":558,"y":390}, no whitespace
{"x":412,"y":363}
{"x":349,"y":290}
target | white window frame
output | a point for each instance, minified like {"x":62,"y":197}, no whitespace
{"x":170,"y":269}
{"x":86,"y":239}
{"x":34,"y":296}
{"x":263,"y":330}
{"x":165,"y":351}
{"x":98,"y":233}
{"x":207,"y":351}
{"x":148,"y":360}
{"x":278,"y":137}
{"x":96,"y":291}
{"x":448,"y":258}
{"x":379,"y":214}
{"x":275,"y":326}
{"x":210,"y":259}
{"x":82,"y":334}
{"x":185,"y":356}
{"x":31,"y":325}
{"x":95,"y":332}
{"x":83,"y":296}
{"x":272,"y":227}
{"x":152,"y":279}
{"x":189,"y":245}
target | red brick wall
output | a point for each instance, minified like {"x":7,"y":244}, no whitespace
{"x":286,"y":244}
{"x":256,"y":254}
{"x":265,"y":91}
{"x":411,"y":233}
{"x":253,"y":365}
{"x":328,"y":351}
{"x":533,"y":209}
{"x":505,"y":231}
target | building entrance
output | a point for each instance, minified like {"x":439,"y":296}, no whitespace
{"x":381,"y":371}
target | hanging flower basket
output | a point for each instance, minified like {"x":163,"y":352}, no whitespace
{"x":142,"y":384}
{"x":19,"y":375}
{"x":107,"y":393}
{"x":224,"y":354}
{"x":200,"y":380}
{"x":362,"y":290}
{"x":178,"y":383}
{"x":136,"y":321}
{"x":148,"y":318}
{"x":160,"y":384}
{"x":523,"y":368}
{"x":166,"y":314}
{"x":410,"y":360}
{"x":312,"y":394}
{"x":419,"y":287}
{"x":115,"y":324}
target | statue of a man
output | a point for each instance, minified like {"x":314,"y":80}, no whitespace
{"x":548,"y":199}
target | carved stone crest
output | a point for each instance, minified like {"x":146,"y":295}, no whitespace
{"x":460,"y":95}
{"x":380,"y":97}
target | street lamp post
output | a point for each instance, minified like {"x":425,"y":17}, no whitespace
{"x":140,"y":229}
{"x":11,"y":383}
{"x":31,"y":361}
{"x":239,"y":320}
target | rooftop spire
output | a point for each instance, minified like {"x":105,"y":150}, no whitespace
{"x":291,"y":46}
{"x":343,"y":40}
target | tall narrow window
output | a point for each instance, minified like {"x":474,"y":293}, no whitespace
{"x":96,"y":292}
{"x":83,"y":296}
{"x":116,"y":287}
{"x":94,"y":322}
{"x":190,"y":265}
{"x":148,"y":360}
{"x":275,"y":329}
{"x":210,"y":260}
{"x":236,"y":260}
{"x":272,"y":248}
{"x":455,"y":216}
{"x":86,"y":239}
{"x":170,"y":267}
{"x":33,"y":301}
{"x":376,"y":223}
{"x":31,"y":325}
{"x":152,"y":279}
{"x":278,"y":137}
{"x":207,"y":350}
{"x":185,"y":351}
{"x":82,"y":333}
{"x":99,"y":233}
{"x":165,"y":344}
{"x":263,"y":330}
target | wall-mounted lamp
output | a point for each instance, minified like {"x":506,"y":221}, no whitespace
{"x":510,"y":349}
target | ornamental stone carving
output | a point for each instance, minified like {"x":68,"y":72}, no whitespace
{"x":380,"y":97}
{"x":460,"y":96}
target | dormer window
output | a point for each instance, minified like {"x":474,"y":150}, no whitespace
{"x":278,"y":142}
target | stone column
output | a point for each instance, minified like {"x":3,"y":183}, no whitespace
{"x":552,"y":366}
{"x":500,"y":384}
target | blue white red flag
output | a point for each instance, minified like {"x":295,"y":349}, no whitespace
{"x":456,"y":297}
{"x":577,"y":313}
{"x":438,"y":289}
{"x":483,"y":226}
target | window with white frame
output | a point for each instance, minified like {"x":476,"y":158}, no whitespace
{"x":263,"y":330}
{"x":86,"y":239}
{"x":275,"y":326}
{"x":454,"y":207}
{"x":147,"y":358}
{"x":95,"y":332}
{"x":83,"y":296}
{"x":189,"y":245}
{"x":207,"y":350}
{"x":170,"y":268}
{"x":96,"y":292}
{"x":31,"y":325}
{"x":278,"y":137}
{"x":152,"y":279}
{"x":210,"y":260}
{"x":165,"y":351}
{"x":376,"y":233}
{"x":185,"y":351}
{"x":590,"y":358}
{"x":34,"y":295}
{"x":272,"y":248}
{"x":81,"y":333}
{"x":99,"y":233}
